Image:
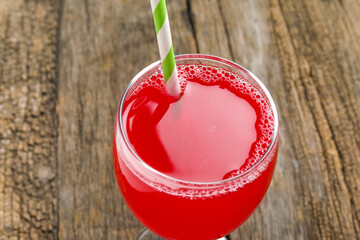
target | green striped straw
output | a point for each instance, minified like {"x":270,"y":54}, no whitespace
{"x":163,"y":34}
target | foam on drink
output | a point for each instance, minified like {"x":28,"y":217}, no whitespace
{"x":211,"y":76}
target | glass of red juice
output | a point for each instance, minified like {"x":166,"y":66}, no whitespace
{"x":198,"y":166}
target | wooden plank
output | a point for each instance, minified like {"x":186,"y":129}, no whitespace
{"x":103,"y":45}
{"x":28,"y":177}
{"x":312,"y":67}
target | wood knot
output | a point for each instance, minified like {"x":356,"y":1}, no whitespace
{"x":45,"y":173}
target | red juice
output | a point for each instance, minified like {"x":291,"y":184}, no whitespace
{"x":220,"y":128}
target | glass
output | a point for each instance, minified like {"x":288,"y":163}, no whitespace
{"x":178,"y":209}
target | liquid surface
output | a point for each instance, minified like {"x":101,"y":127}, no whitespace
{"x":219,"y":128}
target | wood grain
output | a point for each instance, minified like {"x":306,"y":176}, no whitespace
{"x":56,"y":175}
{"x":95,"y":64}
{"x":28,"y":166}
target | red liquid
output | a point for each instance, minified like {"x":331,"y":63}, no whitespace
{"x":219,"y":128}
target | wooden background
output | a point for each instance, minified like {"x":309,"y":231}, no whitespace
{"x":65,"y":63}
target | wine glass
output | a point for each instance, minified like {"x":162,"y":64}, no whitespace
{"x":177,"y":209}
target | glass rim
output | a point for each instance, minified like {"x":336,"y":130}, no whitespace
{"x":200,"y":57}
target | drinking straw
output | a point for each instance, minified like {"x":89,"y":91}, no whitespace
{"x":162,"y":27}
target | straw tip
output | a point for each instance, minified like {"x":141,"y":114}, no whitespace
{"x":174,"y":91}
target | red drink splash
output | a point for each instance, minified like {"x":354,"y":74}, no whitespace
{"x":220,"y":127}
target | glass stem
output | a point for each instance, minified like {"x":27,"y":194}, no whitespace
{"x":145,"y":234}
